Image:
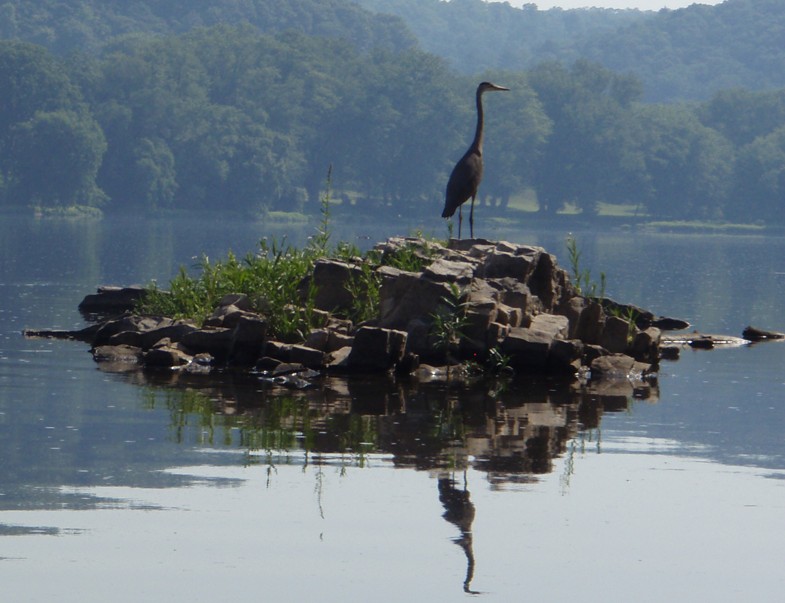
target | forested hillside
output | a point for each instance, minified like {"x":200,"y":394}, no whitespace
{"x":68,"y":25}
{"x":474,"y":35}
{"x":682,"y":54}
{"x":228,"y":117}
{"x":696,"y":51}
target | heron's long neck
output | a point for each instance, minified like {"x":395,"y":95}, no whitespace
{"x":477,"y":144}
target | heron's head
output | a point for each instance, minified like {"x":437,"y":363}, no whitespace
{"x":489,"y":87}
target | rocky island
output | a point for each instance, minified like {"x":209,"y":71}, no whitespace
{"x":473,"y":301}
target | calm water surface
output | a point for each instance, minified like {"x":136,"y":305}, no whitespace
{"x":123,"y":488}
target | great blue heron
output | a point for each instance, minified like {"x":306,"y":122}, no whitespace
{"x":467,"y":173}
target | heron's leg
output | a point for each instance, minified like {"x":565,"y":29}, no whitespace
{"x":471,"y":220}
{"x":460,"y":220}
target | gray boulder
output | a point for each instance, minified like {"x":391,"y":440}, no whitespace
{"x":166,"y":355}
{"x":555,"y":325}
{"x":117,"y":354}
{"x":646,"y":345}
{"x":216,"y":341}
{"x":506,"y":262}
{"x":333,"y":280}
{"x":411,"y":298}
{"x":448,"y":271}
{"x":377,"y":349}
{"x":619,"y":366}
{"x":318,"y":339}
{"x":615,"y":335}
{"x":565,"y":356}
{"x":528,"y":348}
{"x":112,"y":300}
{"x":277,"y":350}
{"x":591,"y":322}
{"x":135,"y":324}
{"x":309,"y":357}
{"x":175,"y":332}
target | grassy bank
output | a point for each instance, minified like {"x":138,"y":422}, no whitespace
{"x":71,"y":212}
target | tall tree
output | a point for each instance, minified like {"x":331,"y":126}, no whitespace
{"x":50,"y":147}
{"x":588,"y":149}
{"x":759,"y":190}
{"x":743,"y":115}
{"x":56,"y":159}
{"x":689,"y":166}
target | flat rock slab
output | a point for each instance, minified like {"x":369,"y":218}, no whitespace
{"x":449,"y":271}
{"x":117,"y":354}
{"x":619,"y":366}
{"x":112,"y":299}
{"x":703,"y":340}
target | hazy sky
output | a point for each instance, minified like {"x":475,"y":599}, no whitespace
{"x":640,"y":4}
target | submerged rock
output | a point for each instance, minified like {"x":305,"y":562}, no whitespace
{"x":702,"y":340}
{"x":755,"y":334}
{"x":290,"y":375}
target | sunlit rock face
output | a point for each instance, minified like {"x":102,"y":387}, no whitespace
{"x":514,"y":298}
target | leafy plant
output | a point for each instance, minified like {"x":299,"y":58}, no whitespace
{"x":365,"y":288}
{"x":271,"y":278}
{"x":408,"y":258}
{"x":497,"y":362}
{"x":319,"y":243}
{"x":630,"y":315}
{"x":348,"y":252}
{"x":449,"y":321}
{"x":582,"y":279}
{"x":412,"y":256}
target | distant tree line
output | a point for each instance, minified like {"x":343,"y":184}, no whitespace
{"x":228,"y":118}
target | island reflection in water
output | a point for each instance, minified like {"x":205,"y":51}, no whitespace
{"x":511,"y":430}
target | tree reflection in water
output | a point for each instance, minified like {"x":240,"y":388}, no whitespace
{"x":511,"y":430}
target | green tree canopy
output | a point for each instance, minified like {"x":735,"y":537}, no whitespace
{"x":759,"y":189}
{"x":50,"y":145}
{"x":585,"y":156}
{"x":56,"y":158}
{"x":688,"y":165}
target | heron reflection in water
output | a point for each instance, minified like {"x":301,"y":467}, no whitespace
{"x":467,"y":173}
{"x":459,"y":510}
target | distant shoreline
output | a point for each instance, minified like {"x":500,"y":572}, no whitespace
{"x":507,"y":218}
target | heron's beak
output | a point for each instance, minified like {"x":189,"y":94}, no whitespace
{"x":495,"y":87}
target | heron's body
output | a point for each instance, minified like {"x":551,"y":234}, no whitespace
{"x":464,"y":181}
{"x":467,"y":173}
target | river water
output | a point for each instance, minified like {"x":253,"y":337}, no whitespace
{"x":120,"y":487}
